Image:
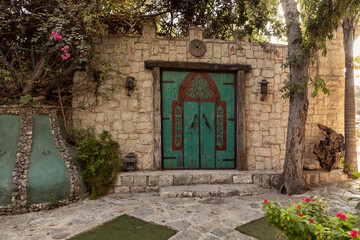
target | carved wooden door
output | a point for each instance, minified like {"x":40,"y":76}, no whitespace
{"x":198,"y":120}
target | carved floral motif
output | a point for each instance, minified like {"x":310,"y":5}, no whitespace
{"x":199,"y":89}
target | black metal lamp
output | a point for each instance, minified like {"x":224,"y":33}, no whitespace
{"x":130,"y":83}
{"x":130,"y":160}
{"x":264,"y":89}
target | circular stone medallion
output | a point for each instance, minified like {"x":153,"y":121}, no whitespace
{"x":197,"y":48}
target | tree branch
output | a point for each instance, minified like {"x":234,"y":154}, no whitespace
{"x":60,"y":77}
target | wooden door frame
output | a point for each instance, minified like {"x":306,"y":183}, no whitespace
{"x":238,"y":69}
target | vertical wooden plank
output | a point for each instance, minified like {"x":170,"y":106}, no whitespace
{"x":226,"y":85}
{"x":166,"y":122}
{"x":157,"y":119}
{"x":191,"y":135}
{"x":170,"y":85}
{"x":240,"y":112}
{"x":207,"y":134}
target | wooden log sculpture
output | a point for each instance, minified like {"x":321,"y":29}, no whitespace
{"x":331,"y":149}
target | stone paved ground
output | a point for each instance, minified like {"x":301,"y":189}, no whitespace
{"x":193,"y":218}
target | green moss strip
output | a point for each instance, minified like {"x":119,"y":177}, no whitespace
{"x":259,"y":229}
{"x":129,"y":228}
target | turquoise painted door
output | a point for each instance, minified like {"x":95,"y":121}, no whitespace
{"x":198,"y":120}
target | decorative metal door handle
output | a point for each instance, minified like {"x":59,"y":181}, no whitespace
{"x":192,"y":124}
{"x":206,"y":122}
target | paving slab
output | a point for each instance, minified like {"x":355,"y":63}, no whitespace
{"x":193,"y":218}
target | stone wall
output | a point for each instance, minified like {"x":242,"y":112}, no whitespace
{"x":130,"y":119}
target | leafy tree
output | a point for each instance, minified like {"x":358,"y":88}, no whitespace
{"x":42,"y":43}
{"x":309,"y":25}
{"x":220,"y":18}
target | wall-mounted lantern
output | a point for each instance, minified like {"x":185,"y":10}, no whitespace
{"x":264,"y":89}
{"x":130,"y":160}
{"x":130,"y":84}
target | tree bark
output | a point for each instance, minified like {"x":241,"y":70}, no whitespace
{"x":349,"y":118}
{"x":291,"y":181}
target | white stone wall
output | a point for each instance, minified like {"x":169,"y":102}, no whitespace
{"x":130,"y":118}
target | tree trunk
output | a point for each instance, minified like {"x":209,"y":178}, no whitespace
{"x":291,"y":181}
{"x":349,"y":118}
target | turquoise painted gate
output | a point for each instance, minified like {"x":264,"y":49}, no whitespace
{"x":198,"y":120}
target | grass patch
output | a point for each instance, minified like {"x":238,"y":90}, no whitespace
{"x":259,"y":229}
{"x":129,"y":228}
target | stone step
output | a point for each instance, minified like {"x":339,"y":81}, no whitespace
{"x":152,"y":181}
{"x":210,"y":190}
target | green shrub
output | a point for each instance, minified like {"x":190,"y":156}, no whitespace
{"x":309,"y":220}
{"x":99,"y":158}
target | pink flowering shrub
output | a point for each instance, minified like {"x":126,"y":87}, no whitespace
{"x":309,"y":220}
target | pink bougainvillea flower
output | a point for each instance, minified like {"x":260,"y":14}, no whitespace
{"x":64,"y":57}
{"x":81,"y":55}
{"x":93,"y":110}
{"x":303,"y":199}
{"x":67,"y":55}
{"x":307,"y":200}
{"x":339,"y":214}
{"x":343,"y":217}
{"x":66,"y":47}
{"x":300,"y":215}
{"x":265,"y":201}
{"x":62,"y":49}
{"x":298,"y":207}
{"x":319,"y":234}
{"x":353,"y":233}
{"x":56,"y":35}
{"x":219,"y":188}
{"x":312,"y":221}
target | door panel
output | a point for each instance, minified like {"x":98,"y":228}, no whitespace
{"x":191,"y":135}
{"x":207,"y":134}
{"x":226,"y":84}
{"x":170,"y":83}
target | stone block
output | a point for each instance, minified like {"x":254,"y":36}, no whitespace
{"x":256,"y":139}
{"x":122,"y":189}
{"x":201,"y":179}
{"x":334,"y":177}
{"x":220,"y":178}
{"x":309,"y":166}
{"x":153,"y":181}
{"x":275,"y":179}
{"x":118,"y":180}
{"x":152,"y":189}
{"x":344,"y":177}
{"x":266,"y":181}
{"x":127,"y":181}
{"x":314,"y":178}
{"x":257,"y":179}
{"x":268,"y":73}
{"x":324,"y":177}
{"x":137,"y":189}
{"x":182,"y":180}
{"x":166,"y":180}
{"x":242,"y":178}
{"x":140,"y":180}
{"x":146,"y":138}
